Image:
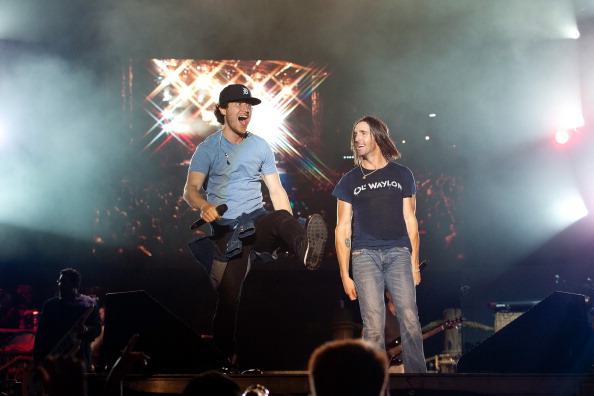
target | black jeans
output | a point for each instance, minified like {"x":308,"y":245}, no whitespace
{"x":273,"y":230}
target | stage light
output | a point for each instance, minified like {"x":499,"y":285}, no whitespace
{"x":567,"y":136}
{"x":573,"y":33}
{"x":571,"y":210}
{"x":266,"y":122}
{"x":186,"y":92}
{"x":192,"y":87}
{"x":569,"y":117}
{"x":562,"y":137}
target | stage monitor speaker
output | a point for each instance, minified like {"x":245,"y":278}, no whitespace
{"x":173,"y":347}
{"x":551,"y":337}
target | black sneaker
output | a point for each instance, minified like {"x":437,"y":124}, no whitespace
{"x":317,"y":235}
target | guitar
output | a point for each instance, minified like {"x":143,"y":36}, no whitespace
{"x":394,"y":349}
{"x":69,"y":344}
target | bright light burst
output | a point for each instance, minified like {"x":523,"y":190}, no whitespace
{"x":571,"y":209}
{"x":182,"y":104}
{"x":562,"y":136}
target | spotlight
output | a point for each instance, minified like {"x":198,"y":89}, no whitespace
{"x":567,"y":136}
{"x":574,"y":33}
{"x":562,"y":137}
{"x":572,"y":209}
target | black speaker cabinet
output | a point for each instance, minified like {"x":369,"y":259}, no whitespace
{"x":552,"y":337}
{"x":173,"y":347}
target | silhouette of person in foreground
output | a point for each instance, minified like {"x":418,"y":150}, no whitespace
{"x":348,"y":368}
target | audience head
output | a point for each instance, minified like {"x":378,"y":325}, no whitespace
{"x":212,"y":383}
{"x":348,"y":367}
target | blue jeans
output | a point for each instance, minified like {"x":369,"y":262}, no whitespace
{"x":374,"y":272}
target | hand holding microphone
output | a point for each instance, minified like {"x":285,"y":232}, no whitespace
{"x":221,"y":209}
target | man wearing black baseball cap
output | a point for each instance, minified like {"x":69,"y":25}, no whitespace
{"x":224,"y":183}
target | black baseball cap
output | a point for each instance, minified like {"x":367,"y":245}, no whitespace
{"x":237,"y":93}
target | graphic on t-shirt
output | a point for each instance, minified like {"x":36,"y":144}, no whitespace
{"x":377,"y":185}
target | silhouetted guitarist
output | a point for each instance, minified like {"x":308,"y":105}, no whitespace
{"x":68,"y":322}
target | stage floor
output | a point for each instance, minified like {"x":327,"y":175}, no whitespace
{"x":296,"y":383}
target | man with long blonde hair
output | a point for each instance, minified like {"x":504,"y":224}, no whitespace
{"x":377,"y":230}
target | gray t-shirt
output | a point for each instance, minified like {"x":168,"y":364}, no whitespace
{"x":234,"y":171}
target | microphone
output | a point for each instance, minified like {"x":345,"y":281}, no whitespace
{"x":221,"y":209}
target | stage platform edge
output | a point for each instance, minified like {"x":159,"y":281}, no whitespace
{"x":296,"y":383}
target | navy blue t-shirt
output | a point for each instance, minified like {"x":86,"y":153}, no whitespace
{"x":377,"y":200}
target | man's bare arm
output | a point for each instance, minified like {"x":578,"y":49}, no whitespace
{"x":194,"y":196}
